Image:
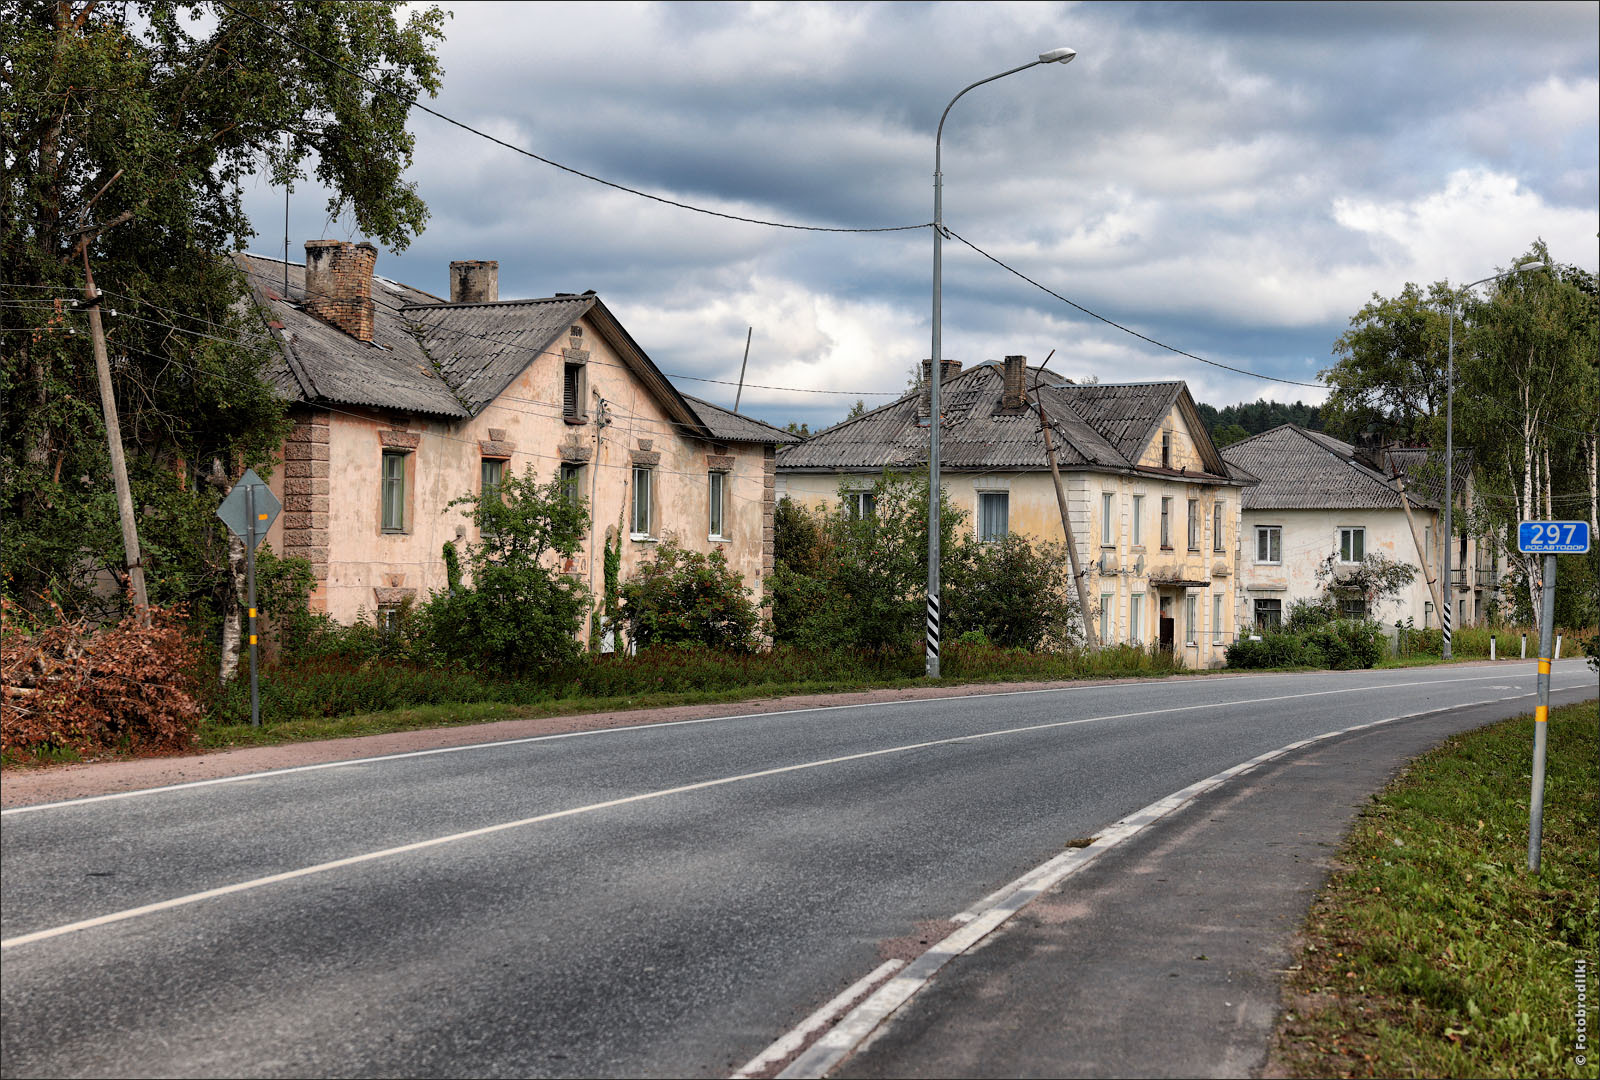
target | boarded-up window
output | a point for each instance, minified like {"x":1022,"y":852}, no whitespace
{"x":572,"y":391}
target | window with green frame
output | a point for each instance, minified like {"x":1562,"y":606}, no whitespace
{"x":394,"y":491}
{"x":494,"y":472}
{"x":572,"y":482}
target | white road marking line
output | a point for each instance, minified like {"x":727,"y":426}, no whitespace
{"x":816,"y":1021}
{"x":994,"y":910}
{"x":242,"y":777}
{"x":487,"y":830}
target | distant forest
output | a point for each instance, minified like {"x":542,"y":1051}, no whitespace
{"x":1234,"y":422}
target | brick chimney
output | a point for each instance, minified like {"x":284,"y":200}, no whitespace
{"x":339,"y":284}
{"x":474,"y":281}
{"x":924,"y":398}
{"x":1014,"y":395}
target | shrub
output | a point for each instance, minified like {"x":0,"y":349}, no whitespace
{"x":683,"y":597}
{"x":69,"y":685}
{"x":1346,"y":644}
{"x":1018,"y":594}
{"x":1302,"y":615}
{"x":518,"y":615}
{"x":1275,"y":649}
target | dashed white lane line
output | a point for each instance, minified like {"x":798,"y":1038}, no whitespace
{"x":489,"y":830}
{"x":347,"y":762}
{"x":984,"y":917}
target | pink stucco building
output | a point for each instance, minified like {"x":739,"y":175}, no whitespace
{"x":402,"y":401}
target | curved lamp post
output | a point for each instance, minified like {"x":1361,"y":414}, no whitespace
{"x":1054,"y":56}
{"x":1450,"y":449}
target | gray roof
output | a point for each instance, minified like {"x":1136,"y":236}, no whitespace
{"x":1424,"y":470}
{"x":977,"y":436}
{"x":726,"y":425}
{"x":452,"y":360}
{"x":1308,"y":470}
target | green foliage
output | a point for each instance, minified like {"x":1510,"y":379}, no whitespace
{"x":1304,"y":614}
{"x":1346,"y":644}
{"x":1340,"y":644}
{"x":1234,"y":422}
{"x":683,"y":597}
{"x":861,"y":582}
{"x":283,"y":594}
{"x":1389,"y":378}
{"x":1017,"y":594}
{"x":519,"y":615}
{"x":1375,"y":580}
{"x":173,"y":105}
{"x":1433,"y":952}
{"x":1276,"y":649}
{"x":452,"y":566}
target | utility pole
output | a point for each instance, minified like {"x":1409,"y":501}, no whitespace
{"x":744,"y":364}
{"x":1089,"y":635}
{"x":119,"y":466}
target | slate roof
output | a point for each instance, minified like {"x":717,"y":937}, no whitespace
{"x":1424,"y":470}
{"x":439,"y":359}
{"x":978,"y":436}
{"x":1308,"y":470}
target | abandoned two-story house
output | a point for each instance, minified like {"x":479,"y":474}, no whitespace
{"x":402,"y":402}
{"x":1324,"y":504}
{"x":1154,"y":508}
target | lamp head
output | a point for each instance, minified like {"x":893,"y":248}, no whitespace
{"x":1533,"y":264}
{"x":1057,"y":56}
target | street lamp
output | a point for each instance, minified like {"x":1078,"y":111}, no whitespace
{"x":1450,"y":447}
{"x":1054,"y":56}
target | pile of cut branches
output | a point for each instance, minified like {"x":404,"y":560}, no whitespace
{"x":66,"y":684}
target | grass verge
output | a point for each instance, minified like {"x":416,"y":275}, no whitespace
{"x":1433,"y":952}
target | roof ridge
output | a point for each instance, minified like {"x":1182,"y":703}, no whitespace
{"x":450,"y":304}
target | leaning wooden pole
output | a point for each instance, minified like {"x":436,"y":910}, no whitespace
{"x":1416,"y":538}
{"x":1089,"y":635}
{"x":119,"y":465}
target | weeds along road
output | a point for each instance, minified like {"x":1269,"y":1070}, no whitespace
{"x":663,"y":900}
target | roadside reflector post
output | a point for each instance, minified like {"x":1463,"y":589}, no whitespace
{"x":1492,"y":640}
{"x":250,"y":594}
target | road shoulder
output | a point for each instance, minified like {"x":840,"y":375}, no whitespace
{"x":1164,"y":957}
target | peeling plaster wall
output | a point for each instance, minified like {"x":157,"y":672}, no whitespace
{"x":364,"y":566}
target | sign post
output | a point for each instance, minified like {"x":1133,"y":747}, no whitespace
{"x":1547,"y":538}
{"x":249,"y":511}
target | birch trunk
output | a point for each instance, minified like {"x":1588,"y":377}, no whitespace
{"x":233,"y":613}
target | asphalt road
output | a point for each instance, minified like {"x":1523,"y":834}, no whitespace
{"x":664,"y":900}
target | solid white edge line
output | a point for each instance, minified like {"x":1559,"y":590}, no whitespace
{"x":265,"y":773}
{"x":993,"y":911}
{"x":487,"y":830}
{"x":798,"y":1034}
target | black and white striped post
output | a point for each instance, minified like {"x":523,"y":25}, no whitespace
{"x":933,"y":636}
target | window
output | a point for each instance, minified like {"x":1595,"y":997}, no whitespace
{"x":1194,"y":524}
{"x":1166,"y":523}
{"x":1352,"y":545}
{"x":1427,"y":614}
{"x":1107,"y":505}
{"x":394,"y":492}
{"x":494,"y":471}
{"x":1106,"y":600}
{"x":861,"y":504}
{"x":1269,"y":614}
{"x":389,"y":618}
{"x":993,"y":511}
{"x":642,"y":483}
{"x":1191,"y":631}
{"x":572,"y":392}
{"x":572,"y":482}
{"x":1217,"y":530}
{"x":1138,"y":521}
{"x":1216,"y":618}
{"x":1136,"y":618}
{"x":1269,"y":543}
{"x":717,"y":481}
{"x":1166,"y":449}
{"x":1352,"y":607}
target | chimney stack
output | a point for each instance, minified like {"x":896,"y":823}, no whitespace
{"x":339,"y":284}
{"x":924,"y":399}
{"x":1015,"y":392}
{"x":949,"y":369}
{"x":474,"y":281}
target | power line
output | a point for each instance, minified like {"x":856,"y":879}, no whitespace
{"x":415,"y":104}
{"x":1126,"y":330}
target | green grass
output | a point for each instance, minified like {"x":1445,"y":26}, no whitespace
{"x":1433,"y":951}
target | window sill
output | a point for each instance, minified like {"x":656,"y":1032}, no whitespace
{"x":576,"y":420}
{"x":714,"y":539}
{"x":1260,"y":563}
{"x":395,"y":532}
{"x":643,"y":538}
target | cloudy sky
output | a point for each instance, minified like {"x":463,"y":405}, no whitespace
{"x":1232,"y":180}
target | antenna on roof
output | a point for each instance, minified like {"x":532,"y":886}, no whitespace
{"x":740,"y":392}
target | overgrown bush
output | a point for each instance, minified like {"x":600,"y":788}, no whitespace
{"x":1016,"y":593}
{"x":68,"y":684}
{"x":1346,"y":644}
{"x":519,"y":614}
{"x":683,"y":597}
{"x":1302,"y":615}
{"x":1275,"y":649}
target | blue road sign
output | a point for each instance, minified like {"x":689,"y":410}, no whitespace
{"x":1553,"y":537}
